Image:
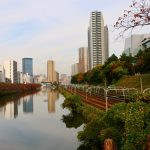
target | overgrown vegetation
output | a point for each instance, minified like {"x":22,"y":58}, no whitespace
{"x":128,"y":124}
{"x":134,"y":81}
{"x":9,"y":89}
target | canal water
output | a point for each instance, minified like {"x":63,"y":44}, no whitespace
{"x":34,"y":122}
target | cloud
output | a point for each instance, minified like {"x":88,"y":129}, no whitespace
{"x":50,"y":29}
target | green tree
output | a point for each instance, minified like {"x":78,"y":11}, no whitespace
{"x":96,"y":77}
{"x":128,"y":63}
{"x":74,"y":79}
{"x":114,"y":71}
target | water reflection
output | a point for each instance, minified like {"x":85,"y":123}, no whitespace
{"x":11,"y":110}
{"x":28,"y":104}
{"x":52,"y":96}
{"x":73,"y":120}
{"x":9,"y":106}
{"x":31,"y":124}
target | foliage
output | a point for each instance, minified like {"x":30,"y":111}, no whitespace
{"x":137,"y":15}
{"x":80,"y":78}
{"x":73,"y":120}
{"x":8,"y":88}
{"x":128,"y":124}
{"x":128,"y":63}
{"x":73,"y":103}
{"x":142,"y":61}
{"x":114,"y":71}
{"x":135,"y":126}
{"x":114,"y":68}
{"x":145,"y":97}
{"x":112,"y":58}
{"x":134,"y":81}
{"x":90,"y":134}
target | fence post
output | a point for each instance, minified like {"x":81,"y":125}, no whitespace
{"x":109,"y":145}
{"x":148,"y":143}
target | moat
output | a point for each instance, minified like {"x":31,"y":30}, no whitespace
{"x":34,"y":122}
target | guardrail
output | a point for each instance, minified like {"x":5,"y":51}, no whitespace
{"x":111,"y":94}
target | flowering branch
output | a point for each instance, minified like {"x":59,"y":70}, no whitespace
{"x":137,"y":15}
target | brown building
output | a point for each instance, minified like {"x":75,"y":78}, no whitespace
{"x":83,"y":59}
{"x":52,"y":75}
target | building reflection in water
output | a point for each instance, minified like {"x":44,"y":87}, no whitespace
{"x":11,"y":110}
{"x":52,"y":96}
{"x":28,"y":104}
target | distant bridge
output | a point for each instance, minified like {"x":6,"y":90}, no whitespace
{"x":50,"y":84}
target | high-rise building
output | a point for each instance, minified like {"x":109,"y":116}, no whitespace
{"x":20,"y":77}
{"x":52,"y":75}
{"x":97,"y":43}
{"x":2,"y":74}
{"x":75,"y":69}
{"x":135,"y":43}
{"x":27,"y":66}
{"x":106,"y":41}
{"x":10,"y":67}
{"x":83,"y":58}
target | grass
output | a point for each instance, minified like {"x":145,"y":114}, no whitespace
{"x":134,"y":81}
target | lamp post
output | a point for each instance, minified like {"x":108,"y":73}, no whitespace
{"x":106,"y":99}
{"x":141,"y":82}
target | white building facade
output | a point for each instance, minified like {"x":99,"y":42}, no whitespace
{"x":27,"y":78}
{"x":97,"y":40}
{"x":10,"y":67}
{"x":2,"y":74}
{"x":134,"y":43}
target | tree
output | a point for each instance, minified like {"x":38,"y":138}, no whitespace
{"x":137,"y":16}
{"x":112,"y":58}
{"x":96,"y":75}
{"x":74,"y":79}
{"x":128,"y":63}
{"x":142,"y":61}
{"x":114,"y":71}
{"x":80,"y":78}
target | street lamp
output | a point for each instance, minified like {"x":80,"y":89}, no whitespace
{"x":106,"y":99}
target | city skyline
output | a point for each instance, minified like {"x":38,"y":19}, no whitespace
{"x":43,"y":32}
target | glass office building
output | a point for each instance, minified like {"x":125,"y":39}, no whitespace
{"x":27,"y":66}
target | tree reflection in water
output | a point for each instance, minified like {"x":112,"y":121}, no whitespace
{"x":73,"y":120}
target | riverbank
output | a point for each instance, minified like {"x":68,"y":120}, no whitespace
{"x":7,"y":89}
{"x":127,"y":124}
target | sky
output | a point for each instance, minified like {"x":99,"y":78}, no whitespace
{"x":53,"y":30}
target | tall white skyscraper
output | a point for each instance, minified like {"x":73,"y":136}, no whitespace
{"x":97,"y":40}
{"x":10,"y":67}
